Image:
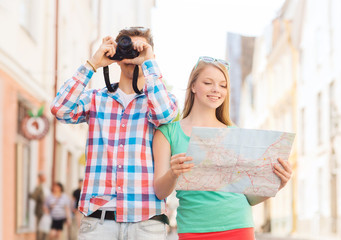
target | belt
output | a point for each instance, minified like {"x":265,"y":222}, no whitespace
{"x":111,"y":215}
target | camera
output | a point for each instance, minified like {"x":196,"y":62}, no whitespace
{"x":125,"y":49}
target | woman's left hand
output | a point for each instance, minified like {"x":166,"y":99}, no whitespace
{"x":283,"y":170}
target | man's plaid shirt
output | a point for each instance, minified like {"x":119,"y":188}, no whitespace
{"x":119,"y":146}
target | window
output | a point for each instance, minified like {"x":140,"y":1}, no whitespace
{"x":332,"y":111}
{"x":24,"y":14}
{"x":27,"y":16}
{"x":302,"y":198}
{"x":302,"y":131}
{"x":319,"y":118}
{"x":23,"y":164}
{"x":320,"y":189}
{"x":302,"y":63}
{"x":319,"y":46}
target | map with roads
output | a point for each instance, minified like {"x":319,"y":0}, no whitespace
{"x":235,"y":160}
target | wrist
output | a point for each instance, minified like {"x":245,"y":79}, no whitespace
{"x":146,"y":60}
{"x":151,"y":57}
{"x":173,"y":175}
{"x":95,"y":62}
{"x":91,"y":65}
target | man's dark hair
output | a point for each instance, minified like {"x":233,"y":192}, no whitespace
{"x":137,"y":32}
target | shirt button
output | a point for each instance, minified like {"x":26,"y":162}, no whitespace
{"x":119,"y":166}
{"x":119,"y":188}
{"x":123,"y":125}
{"x":121,"y":145}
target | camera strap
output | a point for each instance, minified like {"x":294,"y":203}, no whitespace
{"x":135,"y":78}
{"x":113,"y":89}
{"x":107,"y":80}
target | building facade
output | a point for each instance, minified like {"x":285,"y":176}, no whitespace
{"x":239,"y":54}
{"x":31,"y":69}
{"x":294,"y":87}
{"x":319,"y":104}
{"x":269,"y":102}
{"x":27,"y":78}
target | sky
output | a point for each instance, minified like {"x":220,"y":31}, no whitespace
{"x":183,"y":30}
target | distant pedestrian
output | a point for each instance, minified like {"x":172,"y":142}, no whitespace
{"x":76,"y":196}
{"x":38,"y":195}
{"x":204,"y":214}
{"x":58,"y":206}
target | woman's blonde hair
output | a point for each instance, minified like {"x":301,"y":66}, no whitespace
{"x":223,"y":111}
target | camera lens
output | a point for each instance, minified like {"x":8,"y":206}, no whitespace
{"x":125,"y":43}
{"x":125,"y":49}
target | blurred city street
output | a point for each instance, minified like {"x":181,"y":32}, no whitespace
{"x":285,"y":58}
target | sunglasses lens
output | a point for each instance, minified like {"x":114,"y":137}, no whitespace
{"x":225,"y":63}
{"x":207,"y":59}
{"x":142,"y":29}
{"x":222,"y":61}
{"x":211,"y":60}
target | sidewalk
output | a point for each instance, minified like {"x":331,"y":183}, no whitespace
{"x":266,"y":236}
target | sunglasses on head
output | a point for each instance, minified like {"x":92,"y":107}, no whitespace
{"x":212,"y":60}
{"x":142,"y":29}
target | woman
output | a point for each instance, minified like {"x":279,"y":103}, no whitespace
{"x":58,"y":206}
{"x":204,"y":214}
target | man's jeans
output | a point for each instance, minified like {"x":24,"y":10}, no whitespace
{"x":97,"y":229}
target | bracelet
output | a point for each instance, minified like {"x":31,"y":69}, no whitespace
{"x":91,"y":65}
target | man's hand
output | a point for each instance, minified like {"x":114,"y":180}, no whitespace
{"x":145,"y":50}
{"x":101,"y":56}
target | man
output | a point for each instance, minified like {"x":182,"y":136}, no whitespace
{"x":39,"y":194}
{"x":117,"y":195}
{"x":76,"y":194}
